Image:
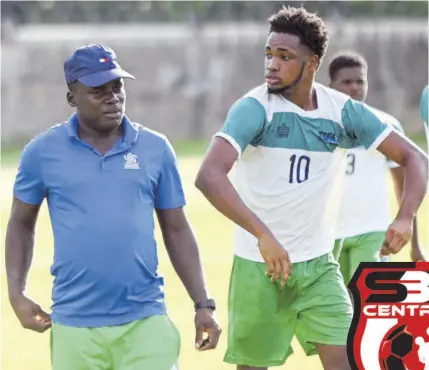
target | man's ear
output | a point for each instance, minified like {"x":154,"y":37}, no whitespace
{"x":70,"y":99}
{"x":314,"y":62}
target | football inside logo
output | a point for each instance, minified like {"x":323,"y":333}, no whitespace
{"x":395,"y":347}
{"x":405,"y":346}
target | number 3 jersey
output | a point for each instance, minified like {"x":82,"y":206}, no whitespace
{"x":291,"y":165}
{"x":365,"y":207}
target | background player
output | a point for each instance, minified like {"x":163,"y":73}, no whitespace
{"x":364,"y":214}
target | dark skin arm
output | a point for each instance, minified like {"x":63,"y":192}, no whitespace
{"x":398,"y":180}
{"x":183,"y":251}
{"x":19,"y":254}
{"x":415,"y":162}
{"x":212,"y":180}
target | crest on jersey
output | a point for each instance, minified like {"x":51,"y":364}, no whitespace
{"x":283,"y":130}
{"x":390,"y":328}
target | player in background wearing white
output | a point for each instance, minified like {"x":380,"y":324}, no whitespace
{"x":364,"y":211}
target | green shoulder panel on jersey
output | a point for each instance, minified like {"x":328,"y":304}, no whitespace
{"x":289,"y":130}
{"x":245,"y":121}
{"x":424,"y":105}
{"x":362,"y":127}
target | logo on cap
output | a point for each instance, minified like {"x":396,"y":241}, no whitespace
{"x":93,"y":65}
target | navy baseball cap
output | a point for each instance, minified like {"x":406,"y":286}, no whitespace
{"x":93,"y":65}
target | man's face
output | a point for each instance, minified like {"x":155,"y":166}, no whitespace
{"x":351,"y":81}
{"x":287,"y":62}
{"x":101,"y":108}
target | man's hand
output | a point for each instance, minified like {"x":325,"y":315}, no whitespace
{"x":417,"y":254}
{"x":205,"y":323}
{"x":30,"y":314}
{"x":397,"y":235}
{"x":276,"y":258}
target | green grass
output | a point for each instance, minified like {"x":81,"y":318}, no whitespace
{"x":184,"y":148}
{"x":420,"y":140}
{"x":24,"y":350}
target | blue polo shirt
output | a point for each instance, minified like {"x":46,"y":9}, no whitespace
{"x":102,"y":215}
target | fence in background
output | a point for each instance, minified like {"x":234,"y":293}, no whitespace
{"x":188,"y":76}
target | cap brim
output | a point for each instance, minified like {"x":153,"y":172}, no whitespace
{"x":101,"y":78}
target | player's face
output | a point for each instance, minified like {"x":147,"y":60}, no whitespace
{"x":101,"y":108}
{"x":352,"y":81}
{"x":287,"y":62}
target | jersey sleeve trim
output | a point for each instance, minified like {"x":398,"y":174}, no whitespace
{"x":231,"y":140}
{"x":392,"y":164}
{"x":384,"y":134}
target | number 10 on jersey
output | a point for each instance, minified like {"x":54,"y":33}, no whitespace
{"x":299,"y":169}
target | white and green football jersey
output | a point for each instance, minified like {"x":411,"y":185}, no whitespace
{"x":291,"y":165}
{"x":365,"y":205}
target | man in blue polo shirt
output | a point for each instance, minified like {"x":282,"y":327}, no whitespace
{"x":103,"y":176}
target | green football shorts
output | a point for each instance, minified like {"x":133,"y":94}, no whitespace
{"x":263,"y":316}
{"x":152,"y":343}
{"x":350,"y":252}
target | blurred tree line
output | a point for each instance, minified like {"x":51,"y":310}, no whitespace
{"x":30,"y":12}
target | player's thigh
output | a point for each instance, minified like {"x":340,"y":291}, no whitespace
{"x":333,"y":357}
{"x":325,"y":310}
{"x":261,"y":324}
{"x":367,"y":249}
{"x":151,"y":343}
{"x":78,"y":349}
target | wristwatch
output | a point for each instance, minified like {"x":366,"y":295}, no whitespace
{"x":208,"y":303}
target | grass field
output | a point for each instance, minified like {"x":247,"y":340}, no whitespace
{"x":25,"y":350}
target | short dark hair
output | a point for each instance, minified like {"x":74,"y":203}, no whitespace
{"x":307,"y":26}
{"x":346,"y":59}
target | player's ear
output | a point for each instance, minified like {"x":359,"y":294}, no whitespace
{"x":313,"y":62}
{"x":70,"y":99}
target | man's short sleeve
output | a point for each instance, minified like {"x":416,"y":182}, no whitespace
{"x":244,"y":122}
{"x":362,"y":126}
{"x":169,"y":193}
{"x":29,"y":187}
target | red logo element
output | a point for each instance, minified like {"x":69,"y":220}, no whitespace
{"x":390,"y":328}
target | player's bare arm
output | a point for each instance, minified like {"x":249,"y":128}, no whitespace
{"x":398,"y":180}
{"x":182,"y":248}
{"x":212,"y":180}
{"x":19,"y":254}
{"x":415,"y":162}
